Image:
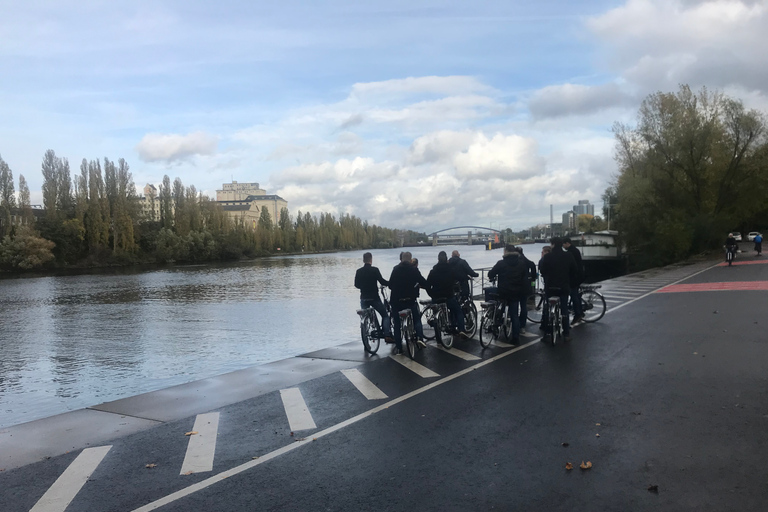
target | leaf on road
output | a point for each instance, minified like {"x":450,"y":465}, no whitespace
{"x":597,"y":435}
{"x":150,"y":466}
{"x":191,"y":433}
{"x":587,"y":465}
{"x":568,"y":466}
{"x":188,"y":473}
{"x":566,"y":445}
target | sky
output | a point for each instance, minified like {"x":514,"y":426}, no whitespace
{"x":408,"y":114}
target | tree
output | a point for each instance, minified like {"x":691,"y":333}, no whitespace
{"x":166,"y":209}
{"x":64,"y":200}
{"x":688,"y":173}
{"x":50,"y":183}
{"x":25,"y":251}
{"x":24,"y":201}
{"x":7,"y":197}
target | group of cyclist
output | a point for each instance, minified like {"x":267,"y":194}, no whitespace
{"x":732,"y":246}
{"x":405,"y":282}
{"x":560,"y":267}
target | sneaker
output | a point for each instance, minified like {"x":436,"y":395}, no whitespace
{"x":522,"y":330}
{"x":576,"y":320}
{"x":421,"y":342}
{"x":389,"y":339}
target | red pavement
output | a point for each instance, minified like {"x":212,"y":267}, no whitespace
{"x":715,"y":287}
{"x":748,"y":262}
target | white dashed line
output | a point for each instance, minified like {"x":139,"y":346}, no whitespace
{"x":458,"y":353}
{"x":415,"y":367}
{"x":58,"y":497}
{"x":202,"y":446}
{"x":365,"y":386}
{"x":296,"y":409}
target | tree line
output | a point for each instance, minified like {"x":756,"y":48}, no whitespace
{"x":693,"y":169}
{"x":96,"y":218}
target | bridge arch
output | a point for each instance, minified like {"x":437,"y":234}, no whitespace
{"x":463,"y":227}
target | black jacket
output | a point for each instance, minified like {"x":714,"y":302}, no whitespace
{"x":512,"y":272}
{"x":579,"y":278}
{"x":462,"y":268}
{"x":532,"y":275}
{"x":442,"y":279}
{"x":366,"y":279}
{"x":404,"y":283}
{"x":558,"y":268}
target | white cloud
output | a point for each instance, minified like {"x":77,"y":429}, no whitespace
{"x":437,"y":85}
{"x":155,"y":147}
{"x":505,"y":157}
{"x":576,"y":99}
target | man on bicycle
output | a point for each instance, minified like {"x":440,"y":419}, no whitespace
{"x":576,"y":281}
{"x":514,"y":285}
{"x":404,"y":283}
{"x":532,"y":277}
{"x":463,"y":271}
{"x":367,"y":278}
{"x":441,"y":280}
{"x":558,"y":268}
{"x":731,"y":245}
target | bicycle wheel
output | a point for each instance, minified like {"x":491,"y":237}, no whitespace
{"x":470,"y":318}
{"x":557,"y":332}
{"x":369,"y":331}
{"x":552,"y":324}
{"x":410,"y":338}
{"x":592,"y":305}
{"x":486,"y":321}
{"x":536,"y":304}
{"x":506,"y":322}
{"x":445,"y":339}
{"x":428,"y":323}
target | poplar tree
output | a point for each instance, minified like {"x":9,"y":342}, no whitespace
{"x":7,"y":197}
{"x":24,"y":201}
{"x":50,"y":184}
{"x":166,"y":210}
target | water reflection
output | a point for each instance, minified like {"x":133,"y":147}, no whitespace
{"x":67,"y":342}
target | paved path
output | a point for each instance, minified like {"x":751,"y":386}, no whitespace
{"x":668,"y":390}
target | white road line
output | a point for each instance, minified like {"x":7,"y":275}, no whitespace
{"x":365,"y":386}
{"x":620,"y":295}
{"x":618,"y":301}
{"x":654,"y":291}
{"x":501,"y":344}
{"x":415,"y":367}
{"x":633,"y":289}
{"x":182,"y":493}
{"x":458,"y":353}
{"x":202,"y":446}
{"x":529,"y":335}
{"x":296,"y":409}
{"x":58,"y":497}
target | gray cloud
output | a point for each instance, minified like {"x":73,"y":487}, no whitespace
{"x":157,"y":147}
{"x":573,"y":99}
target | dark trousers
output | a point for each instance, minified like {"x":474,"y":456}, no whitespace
{"x":381,"y":310}
{"x":513,"y":307}
{"x":576,"y":300}
{"x":563,"y":310}
{"x":400,"y":306}
{"x":523,"y":312}
{"x":457,"y":317}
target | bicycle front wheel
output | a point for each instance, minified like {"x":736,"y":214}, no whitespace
{"x":536,"y":304}
{"x":486,"y":321}
{"x":410,"y":338}
{"x":470,"y":318}
{"x":446,"y":339}
{"x":592,"y":305}
{"x":507,"y":321}
{"x":428,"y":323}
{"x":368,"y":333}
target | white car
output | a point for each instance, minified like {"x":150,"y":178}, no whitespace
{"x":751,"y":236}
{"x":737,"y":236}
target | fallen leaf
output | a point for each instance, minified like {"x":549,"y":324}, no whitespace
{"x":188,"y":473}
{"x":314,"y":439}
{"x":597,"y":424}
{"x":653,"y":488}
{"x":566,"y":445}
{"x":291,"y":434}
{"x":597,"y":435}
{"x":254,"y":458}
{"x":588,"y":465}
{"x":568,"y":466}
{"x":191,"y":433}
{"x":150,"y":466}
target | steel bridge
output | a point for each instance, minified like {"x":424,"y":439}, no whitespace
{"x":460,"y":239}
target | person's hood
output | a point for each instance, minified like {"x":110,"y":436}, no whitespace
{"x":512,"y":258}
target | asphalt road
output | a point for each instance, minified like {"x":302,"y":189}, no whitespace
{"x":666,"y":396}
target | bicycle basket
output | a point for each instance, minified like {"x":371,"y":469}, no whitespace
{"x":491,"y":293}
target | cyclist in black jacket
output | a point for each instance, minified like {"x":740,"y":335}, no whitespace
{"x":442,"y":278}
{"x":464,"y":271}
{"x":558,"y":268}
{"x":367,"y":278}
{"x":576,"y":281}
{"x":514,"y":285}
{"x":404,"y":283}
{"x":532,"y":276}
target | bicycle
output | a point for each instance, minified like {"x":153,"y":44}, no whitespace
{"x":493,"y":319}
{"x":408,"y":333}
{"x":438,"y":317}
{"x":370,"y":328}
{"x":555,"y":319}
{"x":592,"y":303}
{"x":730,"y":253}
{"x":469,"y":310}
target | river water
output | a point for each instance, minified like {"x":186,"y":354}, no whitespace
{"x":68,"y":342}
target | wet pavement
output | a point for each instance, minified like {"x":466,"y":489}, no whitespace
{"x":666,"y":396}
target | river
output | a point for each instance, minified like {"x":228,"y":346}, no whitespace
{"x":68,"y":342}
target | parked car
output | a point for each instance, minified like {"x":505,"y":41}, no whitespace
{"x":736,"y":235}
{"x":751,"y":236}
